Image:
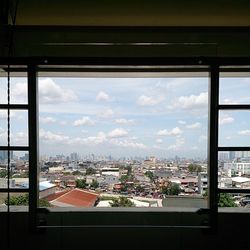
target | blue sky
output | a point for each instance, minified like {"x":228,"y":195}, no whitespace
{"x":127,"y":116}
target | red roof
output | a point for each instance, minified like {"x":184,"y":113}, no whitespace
{"x":75,"y":198}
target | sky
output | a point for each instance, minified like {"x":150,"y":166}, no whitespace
{"x":125,"y":117}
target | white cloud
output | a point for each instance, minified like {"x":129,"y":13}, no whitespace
{"x":20,"y":138}
{"x":50,"y":92}
{"x":117,"y":133}
{"x":108,"y":113}
{"x":19,"y":92}
{"x":102,"y":96}
{"x":159,"y":141}
{"x":53,"y":138}
{"x":128,"y":144}
{"x":85,"y":121}
{"x":125,"y":121}
{"x":192,"y":101}
{"x":229,"y":101}
{"x":194,"y":148}
{"x":195,"y":125}
{"x":225,"y":119}
{"x":4,"y":114}
{"x":228,"y":138}
{"x":244,"y":132}
{"x":91,"y":140}
{"x":182,"y":122}
{"x":63,"y":123}
{"x":179,"y":142}
{"x":47,"y":120}
{"x":173,"y":132}
{"x":144,"y":100}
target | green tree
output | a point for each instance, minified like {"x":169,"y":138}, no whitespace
{"x":121,"y":202}
{"x":81,"y":183}
{"x":3,"y":173}
{"x":90,"y":171}
{"x":171,"y":189}
{"x":194,"y":168}
{"x":150,"y":175}
{"x":94,"y":184}
{"x":23,"y":200}
{"x":226,"y":200}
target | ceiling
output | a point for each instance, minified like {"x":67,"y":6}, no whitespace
{"x":133,"y":12}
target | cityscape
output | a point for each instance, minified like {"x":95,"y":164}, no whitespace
{"x":105,"y":181}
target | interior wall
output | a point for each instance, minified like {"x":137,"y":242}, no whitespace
{"x":232,"y":233}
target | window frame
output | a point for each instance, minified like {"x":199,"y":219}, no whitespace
{"x":213,"y":64}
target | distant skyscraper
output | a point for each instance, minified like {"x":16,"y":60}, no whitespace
{"x":231,"y":155}
{"x":4,"y":155}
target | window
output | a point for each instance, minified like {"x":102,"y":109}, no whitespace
{"x":145,"y":133}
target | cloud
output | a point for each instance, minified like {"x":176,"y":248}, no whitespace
{"x":4,"y":114}
{"x":125,"y":121}
{"x":159,"y":141}
{"x":117,"y":133}
{"x":182,"y":122}
{"x":20,"y":138}
{"x":19,"y":92}
{"x":108,"y":113}
{"x":244,"y":132}
{"x":50,"y":137}
{"x":144,"y":100}
{"x":91,"y":140}
{"x":179,"y":142}
{"x":85,"y":121}
{"x":225,"y":119}
{"x":192,"y":101}
{"x":50,"y":92}
{"x":128,"y":144}
{"x":194,"y":126}
{"x":173,"y":132}
{"x":102,"y":96}
{"x":228,"y":138}
{"x":47,"y":120}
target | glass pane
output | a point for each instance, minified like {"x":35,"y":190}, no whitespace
{"x":3,"y":128}
{"x":17,"y":202}
{"x":235,"y":90}
{"x":18,"y":90}
{"x":19,"y":169}
{"x":234,"y":201}
{"x":19,"y":127}
{"x":3,"y":89}
{"x":234,"y":128}
{"x":142,"y":139}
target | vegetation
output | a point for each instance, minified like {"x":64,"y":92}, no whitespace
{"x":194,"y":168}
{"x":226,"y":200}
{"x":171,"y":189}
{"x":150,"y":175}
{"x":77,"y":172}
{"x":23,"y":200}
{"x":3,"y":173}
{"x":94,"y":184}
{"x":81,"y":183}
{"x":90,"y":171}
{"x":121,"y":202}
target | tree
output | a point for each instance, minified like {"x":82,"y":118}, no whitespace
{"x":90,"y":171}
{"x":122,"y":202}
{"x":194,"y":168}
{"x":171,"y":189}
{"x":226,"y":200}
{"x":94,"y":184}
{"x":3,"y":173}
{"x":150,"y":175}
{"x":81,"y":183}
{"x":23,"y":200}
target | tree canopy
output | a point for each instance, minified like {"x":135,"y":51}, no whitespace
{"x":171,"y":189}
{"x":121,"y":202}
